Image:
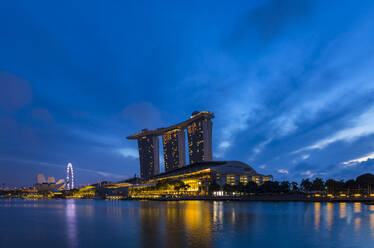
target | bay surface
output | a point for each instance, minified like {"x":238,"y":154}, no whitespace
{"x":91,"y":223}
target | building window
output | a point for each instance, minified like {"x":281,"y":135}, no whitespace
{"x":231,"y":179}
{"x":244,"y":180}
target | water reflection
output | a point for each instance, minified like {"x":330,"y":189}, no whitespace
{"x":357,"y":207}
{"x":71,"y":223}
{"x":198,"y":223}
{"x":371,"y":219}
{"x":114,"y":210}
{"x":217,"y":212}
{"x":317,"y":215}
{"x":357,"y":222}
{"x":173,"y":225}
{"x":343,"y":210}
{"x":176,"y":224}
{"x":150,"y":224}
{"x":330,"y":213}
{"x":186,"y":224}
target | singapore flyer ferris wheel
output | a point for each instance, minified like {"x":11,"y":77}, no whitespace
{"x":69,"y":177}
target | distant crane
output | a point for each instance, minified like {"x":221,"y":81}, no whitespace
{"x":69,"y":177}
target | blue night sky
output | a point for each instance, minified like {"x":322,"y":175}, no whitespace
{"x":290,"y":83}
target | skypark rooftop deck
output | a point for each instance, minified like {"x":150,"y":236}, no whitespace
{"x":181,"y":125}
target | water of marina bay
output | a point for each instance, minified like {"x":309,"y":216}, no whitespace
{"x":94,"y":223}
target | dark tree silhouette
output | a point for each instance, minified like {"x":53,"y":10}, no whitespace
{"x":251,"y":187}
{"x":295,"y":187}
{"x":284,"y":187}
{"x":306,"y":185}
{"x":318,"y":184}
{"x":365,"y":180}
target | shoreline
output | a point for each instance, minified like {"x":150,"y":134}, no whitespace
{"x":274,"y":198}
{"x":262,"y":199}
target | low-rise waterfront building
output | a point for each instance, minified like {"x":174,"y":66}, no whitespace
{"x":196,"y":179}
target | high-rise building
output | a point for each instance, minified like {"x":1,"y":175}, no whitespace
{"x":40,"y":178}
{"x":174,"y":149}
{"x":200,"y":139}
{"x":199,"y":129}
{"x":149,"y":156}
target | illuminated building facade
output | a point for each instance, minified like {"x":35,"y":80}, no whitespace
{"x":174,"y":149}
{"x":200,"y":139}
{"x":149,"y":156}
{"x":198,"y":177}
{"x":222,"y":172}
{"x":199,"y":129}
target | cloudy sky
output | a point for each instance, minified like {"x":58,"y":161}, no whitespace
{"x":291,"y":83}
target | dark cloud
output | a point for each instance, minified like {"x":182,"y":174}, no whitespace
{"x":143,"y":115}
{"x":15,"y":135}
{"x":15,"y":92}
{"x":267,"y":21}
{"x":42,"y":115}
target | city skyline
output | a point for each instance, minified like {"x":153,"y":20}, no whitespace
{"x":290,"y":83}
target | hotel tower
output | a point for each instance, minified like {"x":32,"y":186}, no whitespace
{"x":199,"y":131}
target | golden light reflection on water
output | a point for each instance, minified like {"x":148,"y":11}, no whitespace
{"x":342,"y":210}
{"x":176,"y":224}
{"x":317,"y":215}
{"x":371,"y":219}
{"x":357,"y":207}
{"x":330,"y":215}
{"x":192,"y":215}
{"x":198,"y":223}
{"x":204,"y":224}
{"x":357,"y":222}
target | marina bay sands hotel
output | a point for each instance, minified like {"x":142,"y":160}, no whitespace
{"x":199,"y":133}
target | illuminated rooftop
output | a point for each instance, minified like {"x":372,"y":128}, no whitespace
{"x":224,"y":167}
{"x":182,"y":125}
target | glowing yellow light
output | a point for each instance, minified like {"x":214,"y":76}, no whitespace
{"x":329,"y":215}
{"x":357,"y":222}
{"x":343,"y":210}
{"x":371,"y":218}
{"x":357,"y":207}
{"x":317,"y":215}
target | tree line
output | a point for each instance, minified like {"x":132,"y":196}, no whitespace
{"x":363,"y":184}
